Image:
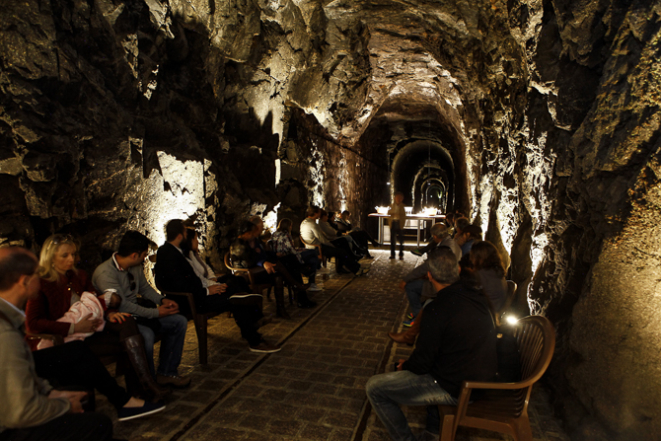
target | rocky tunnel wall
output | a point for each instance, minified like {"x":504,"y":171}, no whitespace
{"x":117,"y":115}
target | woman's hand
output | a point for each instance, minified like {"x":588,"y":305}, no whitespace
{"x":85,"y":325}
{"x":118,"y":317}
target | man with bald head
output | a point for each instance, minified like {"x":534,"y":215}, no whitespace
{"x":30,"y":409}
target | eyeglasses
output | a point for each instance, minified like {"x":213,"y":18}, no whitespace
{"x":131,"y":280}
{"x":59,"y":239}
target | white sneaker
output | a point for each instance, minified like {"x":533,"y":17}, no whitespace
{"x":314,"y":288}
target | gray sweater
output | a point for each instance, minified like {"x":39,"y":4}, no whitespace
{"x":108,"y":277}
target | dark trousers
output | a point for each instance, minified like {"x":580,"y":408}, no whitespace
{"x":109,"y":343}
{"x":246,"y":317}
{"x":75,"y":365}
{"x":396,"y":234}
{"x":69,"y":427}
{"x":342,"y":258}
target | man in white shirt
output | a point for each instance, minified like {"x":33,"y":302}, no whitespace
{"x":315,"y":238}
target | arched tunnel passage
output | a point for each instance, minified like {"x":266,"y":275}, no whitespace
{"x":417,"y":162}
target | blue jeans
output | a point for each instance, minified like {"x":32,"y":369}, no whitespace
{"x":414,"y":293}
{"x":388,"y":391}
{"x":173,"y":329}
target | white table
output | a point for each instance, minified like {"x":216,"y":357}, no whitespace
{"x":417,"y":218}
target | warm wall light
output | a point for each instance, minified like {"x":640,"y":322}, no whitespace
{"x":511,"y":320}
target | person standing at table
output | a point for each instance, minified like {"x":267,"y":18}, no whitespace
{"x":397,"y":214}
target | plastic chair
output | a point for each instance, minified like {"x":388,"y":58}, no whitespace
{"x":505,"y":406}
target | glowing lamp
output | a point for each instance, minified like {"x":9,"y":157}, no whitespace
{"x":382,"y":210}
{"x":511,"y":320}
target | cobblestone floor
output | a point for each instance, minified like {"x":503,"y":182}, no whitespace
{"x":314,"y":388}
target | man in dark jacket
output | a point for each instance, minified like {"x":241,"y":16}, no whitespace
{"x":457,"y":342}
{"x":174,"y":273}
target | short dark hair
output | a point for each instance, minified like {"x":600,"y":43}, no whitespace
{"x":133,"y":242}
{"x":246,"y":227}
{"x":346,"y":212}
{"x":18,"y":263}
{"x":443,"y":266}
{"x":473,"y":231}
{"x":461,"y":223}
{"x":174,"y":228}
{"x":312,"y":210}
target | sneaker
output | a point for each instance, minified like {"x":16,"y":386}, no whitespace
{"x":314,"y":288}
{"x":409,"y":316}
{"x":417,"y":252}
{"x":173,"y":380}
{"x":129,"y":413}
{"x":246,"y":299}
{"x":408,"y":323}
{"x":264,"y":348}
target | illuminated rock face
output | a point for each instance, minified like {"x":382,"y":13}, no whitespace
{"x":540,"y":119}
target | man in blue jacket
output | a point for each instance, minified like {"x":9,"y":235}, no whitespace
{"x":457,"y":342}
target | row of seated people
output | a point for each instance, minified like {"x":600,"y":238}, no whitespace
{"x":454,"y":296}
{"x":102,"y":316}
{"x":472,"y":253}
{"x":118,"y":313}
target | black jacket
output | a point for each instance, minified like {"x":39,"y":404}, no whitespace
{"x":174,"y":273}
{"x":457,"y":339}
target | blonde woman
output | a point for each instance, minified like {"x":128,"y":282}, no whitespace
{"x":62,"y":285}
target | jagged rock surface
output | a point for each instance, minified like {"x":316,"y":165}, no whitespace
{"x":541,"y":117}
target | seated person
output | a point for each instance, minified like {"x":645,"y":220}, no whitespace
{"x":468,"y":236}
{"x":488,"y":266}
{"x":293,"y":266}
{"x":284,"y":249}
{"x":345,"y":242}
{"x":313,"y":237}
{"x":362,"y":237}
{"x":247,"y":251}
{"x":61,"y":286}
{"x":457,"y":343}
{"x":175,"y":273}
{"x":30,"y":407}
{"x":440,"y":235}
{"x":124,"y":274}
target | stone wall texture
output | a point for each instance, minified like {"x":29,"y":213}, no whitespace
{"x":118,"y":114}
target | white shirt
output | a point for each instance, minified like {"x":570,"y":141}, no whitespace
{"x":199,"y":271}
{"x":311,"y":234}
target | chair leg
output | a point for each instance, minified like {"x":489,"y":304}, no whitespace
{"x":447,"y":421}
{"x":522,"y":430}
{"x":201,"y":331}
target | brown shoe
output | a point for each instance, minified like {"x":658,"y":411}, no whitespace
{"x":173,"y":380}
{"x":264,"y":348}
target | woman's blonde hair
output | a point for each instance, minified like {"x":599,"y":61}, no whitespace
{"x":46,"y":270}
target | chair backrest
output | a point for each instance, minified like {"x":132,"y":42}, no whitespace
{"x":535,"y":340}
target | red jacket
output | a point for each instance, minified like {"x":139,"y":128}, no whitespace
{"x":53,"y":301}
